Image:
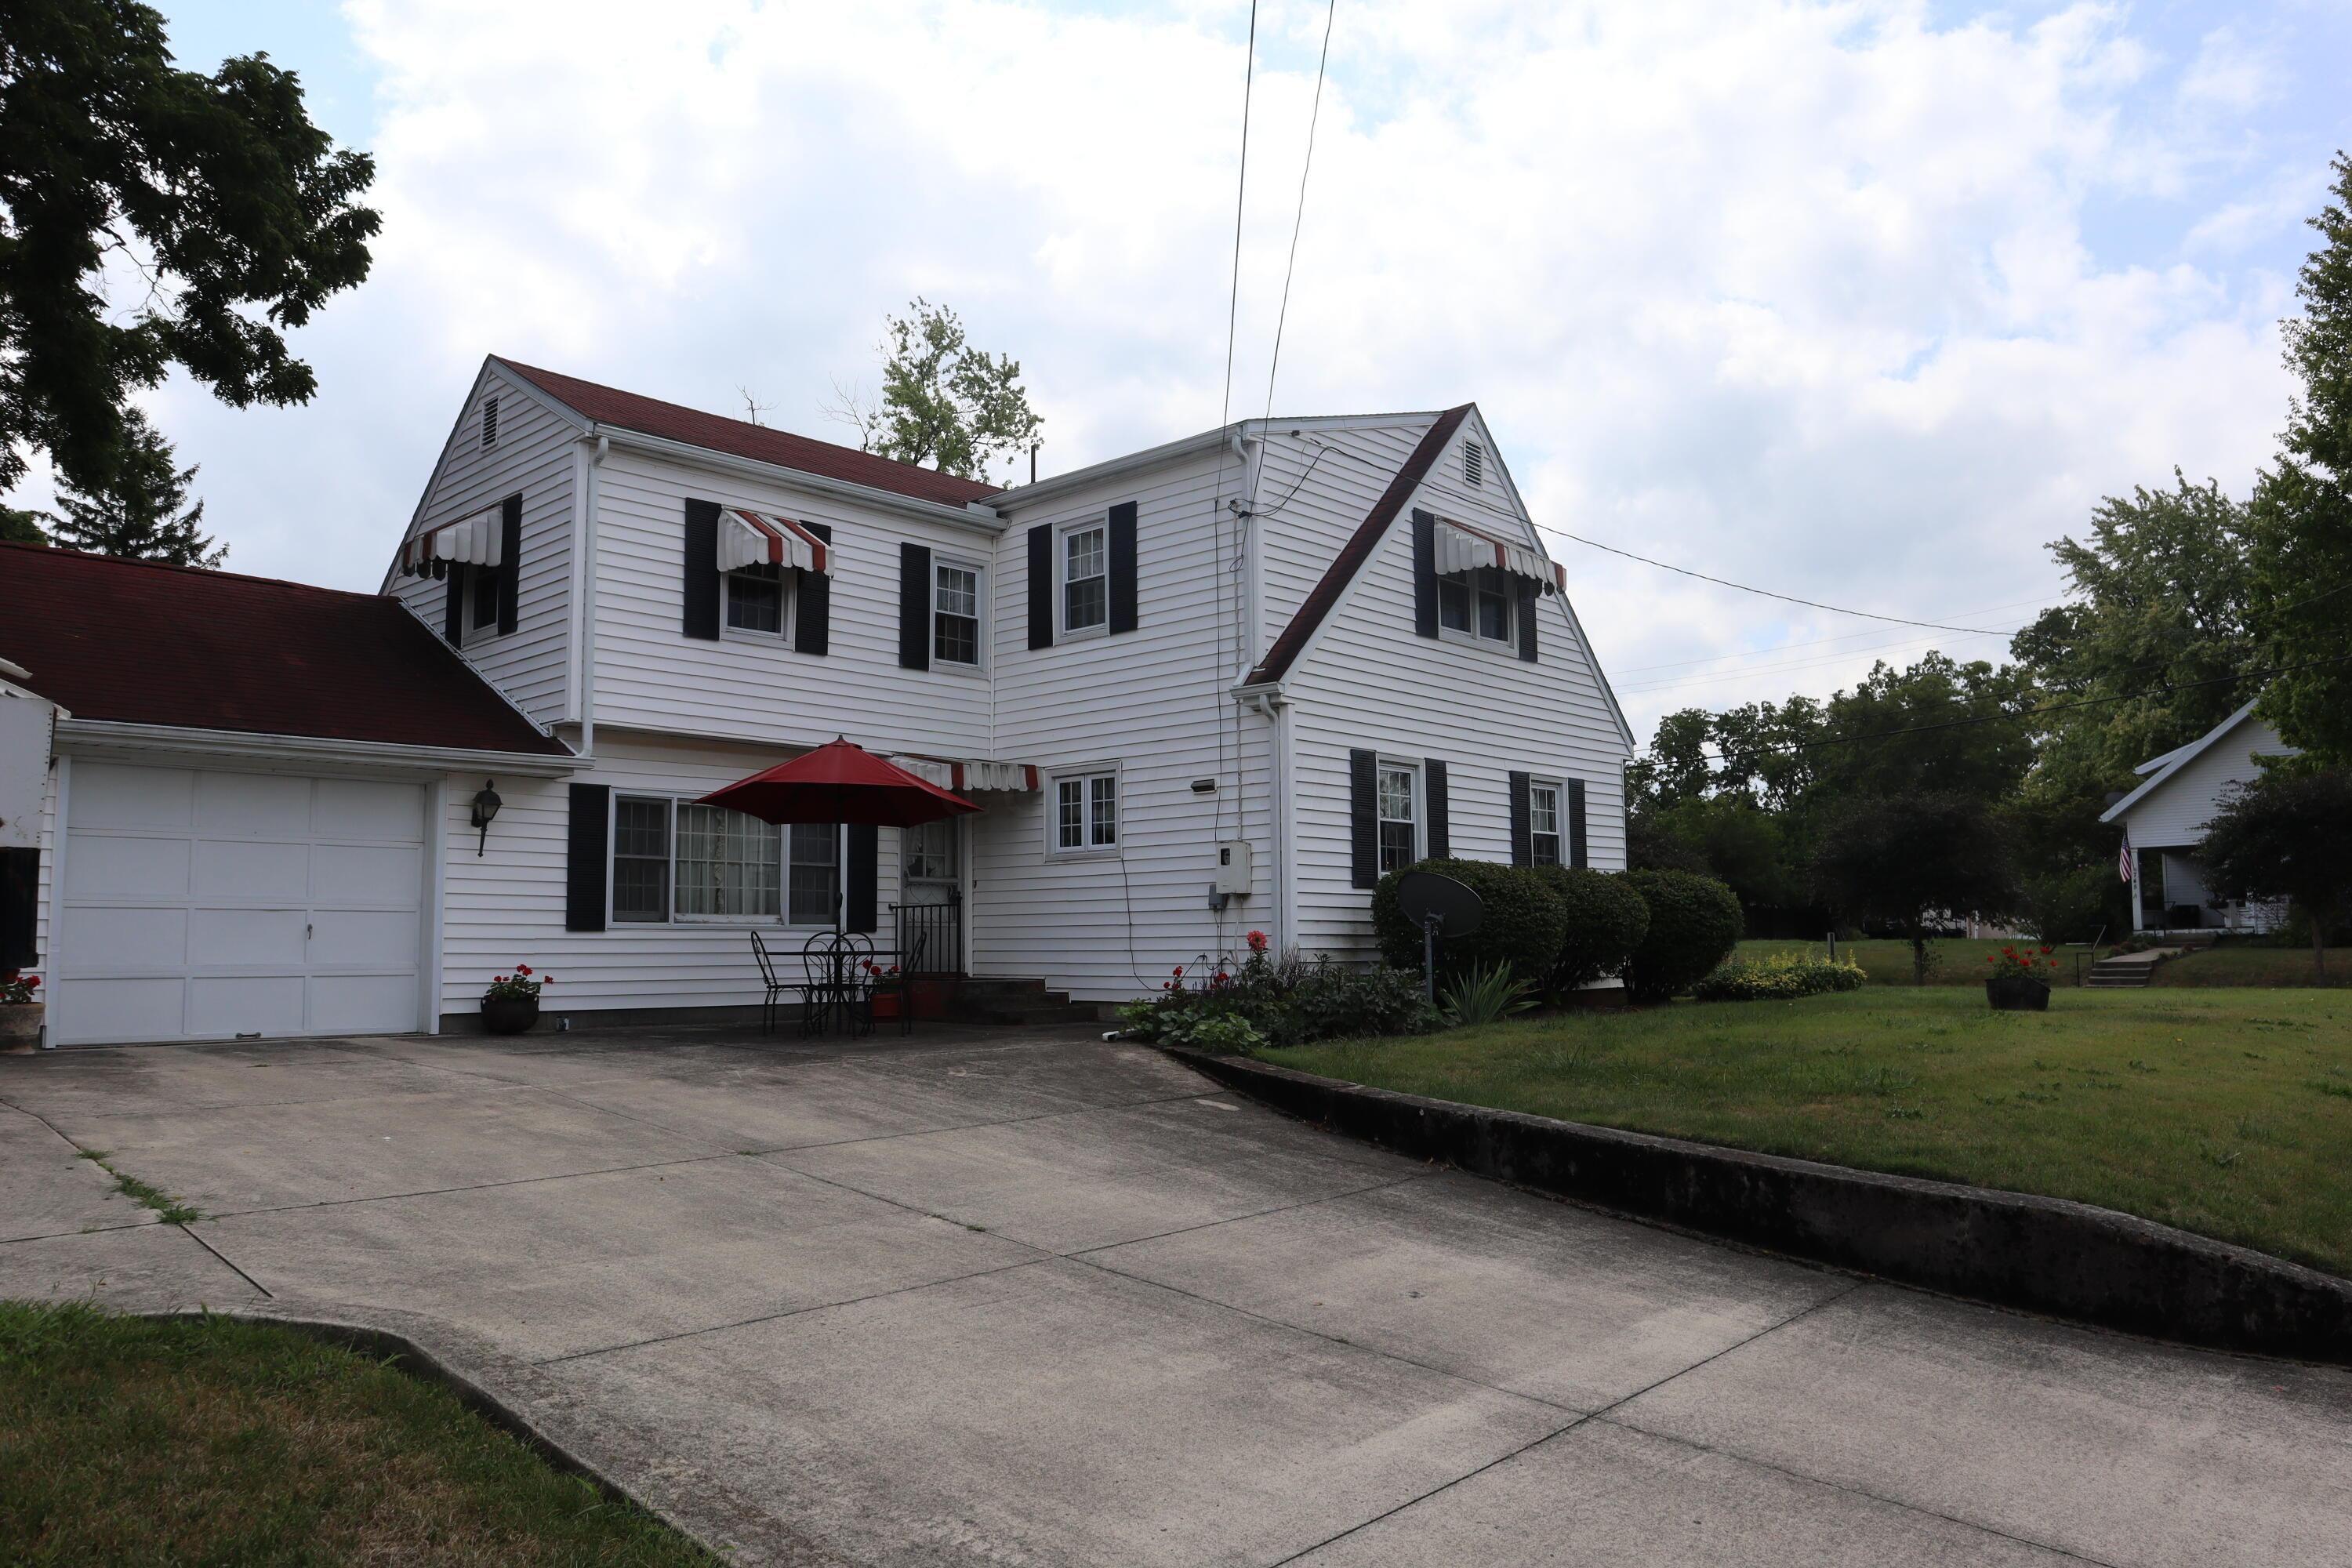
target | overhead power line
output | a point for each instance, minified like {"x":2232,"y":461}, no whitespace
{"x":1273,"y":361}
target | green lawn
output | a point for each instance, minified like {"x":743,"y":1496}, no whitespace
{"x":125,"y":1440}
{"x":2233,"y":964}
{"x":1956,"y":961}
{"x":2226,"y":1113}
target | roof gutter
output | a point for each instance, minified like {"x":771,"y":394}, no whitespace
{"x":976,"y":516}
{"x":1077,"y":478}
{"x":116,"y":735}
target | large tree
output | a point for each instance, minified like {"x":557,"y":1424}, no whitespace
{"x":18,"y":526}
{"x":2303,"y":508}
{"x":945,"y":404}
{"x":2288,"y":834}
{"x":151,"y":218}
{"x":143,"y":512}
{"x":1913,"y":862}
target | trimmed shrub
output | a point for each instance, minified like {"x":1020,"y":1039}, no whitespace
{"x":1332,"y":1002}
{"x":1522,"y":927}
{"x":1778,"y":977}
{"x":1606,"y":921}
{"x":1695,"y":922}
{"x":1236,"y":1007}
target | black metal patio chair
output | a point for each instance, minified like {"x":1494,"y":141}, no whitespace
{"x":772,"y":984}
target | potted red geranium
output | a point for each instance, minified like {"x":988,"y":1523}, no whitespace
{"x":21,"y":1012}
{"x":2016,"y":984}
{"x":885,"y":989}
{"x":512,"y":1004}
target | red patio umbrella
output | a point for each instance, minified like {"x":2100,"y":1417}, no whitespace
{"x":839,"y":782}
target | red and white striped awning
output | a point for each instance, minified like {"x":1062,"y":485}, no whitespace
{"x":965,"y":777}
{"x":474,"y":540}
{"x":765,"y":538}
{"x":1460,"y":549}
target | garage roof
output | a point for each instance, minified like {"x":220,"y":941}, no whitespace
{"x":143,"y":643}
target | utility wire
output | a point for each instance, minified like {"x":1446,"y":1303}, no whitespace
{"x":1224,"y":417}
{"x":1299,"y":221}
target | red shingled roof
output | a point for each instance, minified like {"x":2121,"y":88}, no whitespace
{"x":144,"y":643}
{"x":672,"y":422}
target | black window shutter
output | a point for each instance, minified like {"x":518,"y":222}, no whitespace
{"x":813,"y":617}
{"x":701,"y":611}
{"x":453,"y":610}
{"x":1363,"y":816}
{"x":509,"y":562}
{"x":914,"y":607}
{"x":862,"y":909}
{"x":1576,"y":822}
{"x":1523,"y":846}
{"x":1122,"y":567}
{"x":20,"y":883}
{"x":1527,"y":587}
{"x":1041,"y":585}
{"x":585,"y":860}
{"x":1432,"y":773}
{"x":1425,"y":573}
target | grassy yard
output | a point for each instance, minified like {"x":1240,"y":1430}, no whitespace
{"x":2225,"y":1112}
{"x":1957,"y":961}
{"x":124,"y":1440}
{"x":2231,"y":964}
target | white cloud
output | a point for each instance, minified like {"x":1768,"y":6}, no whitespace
{"x":1795,"y":294}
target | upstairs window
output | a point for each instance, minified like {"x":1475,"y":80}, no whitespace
{"x":486,"y":588}
{"x":1086,"y":578}
{"x":1086,"y":812}
{"x":955,"y":614}
{"x":1400,"y":830}
{"x":755,"y":599}
{"x":1476,"y":603}
{"x":1543,"y":824}
{"x":489,"y":422}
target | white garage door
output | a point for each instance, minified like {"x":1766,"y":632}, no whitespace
{"x":205,"y":905}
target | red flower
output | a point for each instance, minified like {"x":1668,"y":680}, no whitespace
{"x":1257,"y":942}
{"x":2045,"y":947}
{"x":522,"y":969}
{"x":1991,"y":959}
{"x":1222,"y":977}
{"x":32,"y":983}
{"x":1177,"y":972}
{"x":546,"y":979}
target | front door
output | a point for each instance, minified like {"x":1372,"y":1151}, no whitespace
{"x":931,"y":895}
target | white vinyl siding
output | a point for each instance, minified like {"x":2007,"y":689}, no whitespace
{"x":2175,"y":812}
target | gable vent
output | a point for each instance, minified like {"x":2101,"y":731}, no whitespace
{"x":1473,"y":464}
{"x":489,"y":422}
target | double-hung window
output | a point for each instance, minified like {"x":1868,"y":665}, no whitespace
{"x":755,"y":599}
{"x":1543,"y":824}
{"x":486,"y":588}
{"x":1086,"y":812}
{"x":1086,"y":578}
{"x":1400,"y":820}
{"x":675,"y":861}
{"x":1476,"y":603}
{"x":955,"y":614}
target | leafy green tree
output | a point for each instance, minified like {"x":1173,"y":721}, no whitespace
{"x":239,"y":217}
{"x":1911,"y":861}
{"x":2288,"y":834}
{"x":1940,"y":726}
{"x":21,"y":527}
{"x":2302,"y":508}
{"x":142,"y":512}
{"x":945,"y":404}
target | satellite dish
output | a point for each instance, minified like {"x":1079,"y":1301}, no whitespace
{"x":1429,"y":899}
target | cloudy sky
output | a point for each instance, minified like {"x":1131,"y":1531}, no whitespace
{"x":1865,"y":302}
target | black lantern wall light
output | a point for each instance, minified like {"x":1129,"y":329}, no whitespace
{"x":485,"y":806}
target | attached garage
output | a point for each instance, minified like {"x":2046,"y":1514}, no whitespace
{"x":207,"y":904}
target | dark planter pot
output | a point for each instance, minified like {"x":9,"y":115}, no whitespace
{"x":508,"y":1014}
{"x":887,"y":1004}
{"x":2018,"y":994}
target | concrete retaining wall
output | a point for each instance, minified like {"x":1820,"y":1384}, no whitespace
{"x":2044,"y":1255}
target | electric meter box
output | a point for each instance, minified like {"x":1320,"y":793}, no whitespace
{"x":1233,"y":869}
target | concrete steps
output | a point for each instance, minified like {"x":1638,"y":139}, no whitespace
{"x":995,"y":1001}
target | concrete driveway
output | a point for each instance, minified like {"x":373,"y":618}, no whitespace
{"x":1034,"y":1298}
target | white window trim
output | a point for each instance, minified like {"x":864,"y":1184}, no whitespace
{"x":1412,"y":767}
{"x":783,"y":632}
{"x":1063,"y":630}
{"x":979,"y":569}
{"x":1559,"y":788}
{"x":1053,"y":798}
{"x":672,"y":920}
{"x":1474,"y":638}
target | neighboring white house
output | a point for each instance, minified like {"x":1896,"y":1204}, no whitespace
{"x":2164,"y":819}
{"x":1210,"y":688}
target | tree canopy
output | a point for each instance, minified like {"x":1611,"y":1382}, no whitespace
{"x":211,"y":204}
{"x":2302,"y":557}
{"x":1915,"y":859}
{"x":945,"y":404}
{"x":2288,"y":834}
{"x":143,"y":512}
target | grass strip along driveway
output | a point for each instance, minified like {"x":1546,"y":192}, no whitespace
{"x":129,"y":1440}
{"x":1957,"y":961}
{"x":2226,"y":1113}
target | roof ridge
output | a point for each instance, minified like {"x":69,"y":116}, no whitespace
{"x":208,"y":572}
{"x":530,"y":372}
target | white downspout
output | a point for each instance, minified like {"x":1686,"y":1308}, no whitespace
{"x":586,"y":567}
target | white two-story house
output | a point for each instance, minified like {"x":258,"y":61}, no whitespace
{"x":1214,"y":686}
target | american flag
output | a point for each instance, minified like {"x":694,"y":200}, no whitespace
{"x":2125,"y":867}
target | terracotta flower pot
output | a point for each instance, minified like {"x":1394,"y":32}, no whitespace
{"x":20,"y":1027}
{"x":509,"y":1014}
{"x":2018,"y":994}
{"x":886,"y":1004}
